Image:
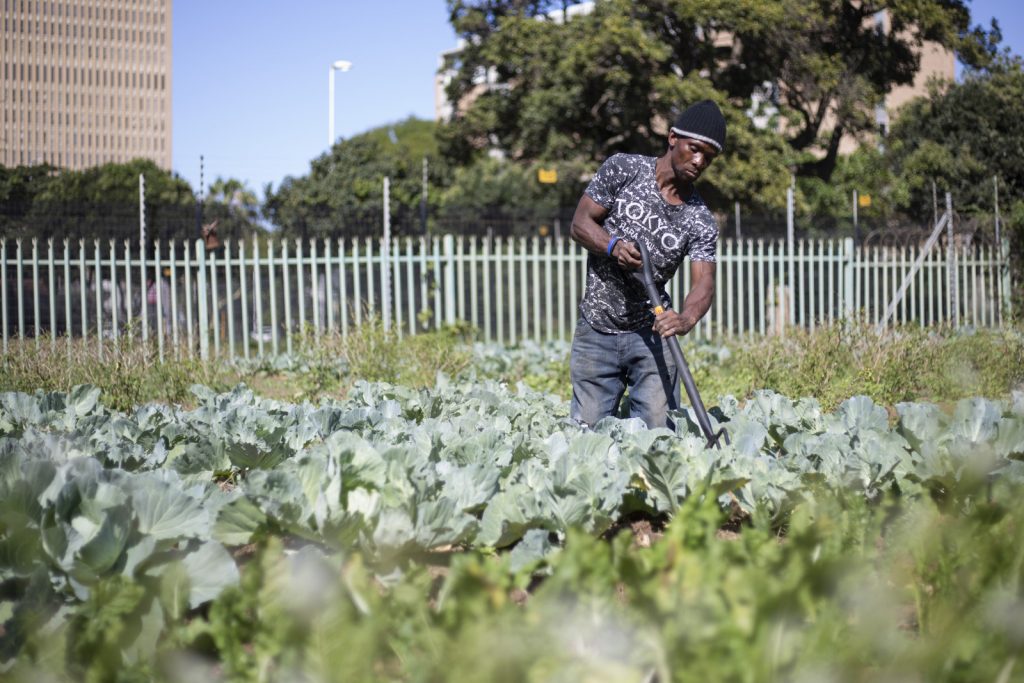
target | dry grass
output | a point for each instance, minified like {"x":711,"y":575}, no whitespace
{"x":906,"y":364}
{"x":127,"y":370}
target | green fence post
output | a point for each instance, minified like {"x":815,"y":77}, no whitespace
{"x":82,"y":303}
{"x":214,"y":310}
{"x":68,"y":331}
{"x":204,"y":321}
{"x":257,"y":296}
{"x":172,"y":253}
{"x":300,"y":285}
{"x":410,"y":284}
{"x":329,"y":279}
{"x":3,"y":288}
{"x":287,"y":286}
{"x":113,"y":298}
{"x":849,"y":256}
{"x":158,"y":284}
{"x":243,"y":289}
{"x":460,"y":279}
{"x":52,"y":282}
{"x":97,"y":299}
{"x":189,"y":321}
{"x":1005,"y":305}
{"x":449,"y":279}
{"x":229,"y":298}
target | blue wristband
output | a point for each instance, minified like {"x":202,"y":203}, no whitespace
{"x":611,"y":245}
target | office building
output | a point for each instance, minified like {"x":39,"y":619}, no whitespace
{"x":85,"y":82}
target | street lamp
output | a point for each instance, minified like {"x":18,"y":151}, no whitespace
{"x":340,"y":65}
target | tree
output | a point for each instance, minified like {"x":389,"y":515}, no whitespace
{"x":20,"y":185}
{"x":118,"y":184}
{"x":234,"y":207}
{"x":961,"y":138}
{"x":100,"y":202}
{"x":828,"y":204}
{"x":18,"y":188}
{"x":559,"y":92}
{"x":835,"y":61}
{"x":508,"y":197}
{"x":343,"y":191}
{"x":610,"y":80}
{"x":563,"y":96}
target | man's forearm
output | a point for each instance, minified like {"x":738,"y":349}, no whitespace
{"x":698,"y":301}
{"x":695,"y":306}
{"x":590,"y":235}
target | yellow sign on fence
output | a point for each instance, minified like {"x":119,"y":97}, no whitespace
{"x":547,"y":175}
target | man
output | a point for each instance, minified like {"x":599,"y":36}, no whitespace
{"x":618,"y":342}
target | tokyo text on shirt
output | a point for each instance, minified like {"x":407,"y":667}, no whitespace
{"x":625,"y":185}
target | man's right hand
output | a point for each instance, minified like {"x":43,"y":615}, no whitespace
{"x":627,"y":255}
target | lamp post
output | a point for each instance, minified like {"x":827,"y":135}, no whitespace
{"x":340,"y":65}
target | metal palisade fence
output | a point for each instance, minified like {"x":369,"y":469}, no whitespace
{"x":251,"y":298}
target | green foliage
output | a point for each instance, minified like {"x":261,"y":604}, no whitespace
{"x":961,"y":138}
{"x":980,"y":49}
{"x":573,"y":97}
{"x":468,"y":531}
{"x":487,"y":185}
{"x":21,"y":184}
{"x":543,"y":368}
{"x":561,"y":94}
{"x":866,"y":170}
{"x":755,"y":167}
{"x":106,"y":625}
{"x":114,"y":183}
{"x":965,"y":139}
{"x":1015,"y":235}
{"x":99,"y":202}
{"x":398,"y":472}
{"x":852,"y":591}
{"x":346,"y":184}
{"x":577,"y":100}
{"x":830,"y":363}
{"x":234,"y":207}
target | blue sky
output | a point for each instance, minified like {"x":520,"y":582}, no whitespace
{"x":250,"y":79}
{"x":251,"y":76}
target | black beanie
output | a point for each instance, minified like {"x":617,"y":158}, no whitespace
{"x":702,"y":121}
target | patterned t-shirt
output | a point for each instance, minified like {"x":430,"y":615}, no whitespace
{"x":615,"y":300}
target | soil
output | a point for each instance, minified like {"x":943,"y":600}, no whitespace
{"x":645,"y":528}
{"x":518,"y":596}
{"x":243,"y":552}
{"x":644,"y":534}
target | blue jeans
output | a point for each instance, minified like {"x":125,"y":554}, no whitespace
{"x":602,"y":366}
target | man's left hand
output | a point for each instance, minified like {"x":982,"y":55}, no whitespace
{"x":669,"y":323}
